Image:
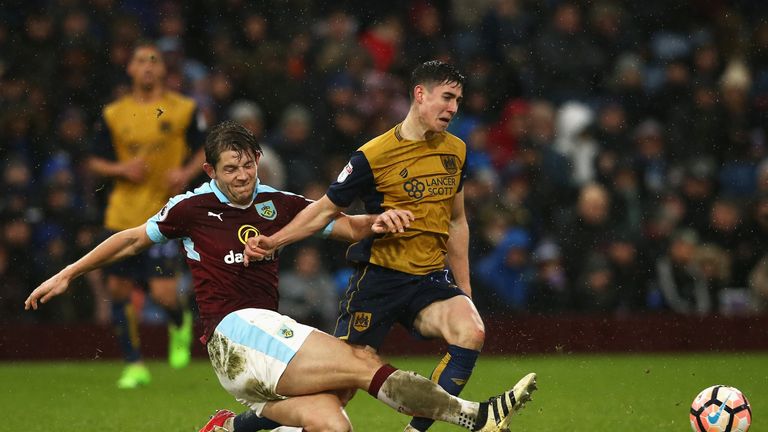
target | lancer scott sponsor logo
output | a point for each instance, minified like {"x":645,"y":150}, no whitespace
{"x":435,"y":186}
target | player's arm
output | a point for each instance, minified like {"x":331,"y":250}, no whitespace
{"x":179,"y":178}
{"x":117,"y":247}
{"x":104,"y":163}
{"x":355,"y":228}
{"x":311,"y":219}
{"x":458,"y":244}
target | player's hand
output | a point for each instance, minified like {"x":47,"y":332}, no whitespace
{"x":392,"y":221}
{"x":257,"y":248}
{"x":47,"y":290}
{"x":134,"y":170}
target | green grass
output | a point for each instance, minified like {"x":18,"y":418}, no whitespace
{"x":576,"y":393}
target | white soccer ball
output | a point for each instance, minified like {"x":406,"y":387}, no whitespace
{"x":720,"y":409}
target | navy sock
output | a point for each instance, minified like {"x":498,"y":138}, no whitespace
{"x":126,"y":325}
{"x":248,"y":421}
{"x":451,"y":374}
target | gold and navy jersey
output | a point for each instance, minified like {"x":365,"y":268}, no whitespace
{"x":158,"y":133}
{"x":390,"y":172}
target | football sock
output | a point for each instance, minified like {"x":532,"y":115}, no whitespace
{"x":451,"y":374}
{"x":175,"y":315}
{"x":410,"y":393}
{"x":248,"y":421}
{"x":126,"y":327}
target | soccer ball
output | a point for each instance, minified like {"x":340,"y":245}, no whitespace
{"x":720,"y":409}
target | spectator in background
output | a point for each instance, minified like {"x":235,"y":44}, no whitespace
{"x":17,"y":269}
{"x":569,"y":64}
{"x":336,"y":42}
{"x":758,"y":285}
{"x":628,"y":266}
{"x":549,"y":172}
{"x":296,"y":149}
{"x":549,"y":290}
{"x":726,"y":230}
{"x":382,"y":42}
{"x":679,"y":280}
{"x":271,"y":167}
{"x":308,"y":291}
{"x":595,"y":290}
{"x":698,"y":191}
{"x":507,"y":273}
{"x":742,"y":145}
{"x":650,"y":156}
{"x":505,"y":137}
{"x":714,"y":265}
{"x":626,"y":84}
{"x":584,"y":232}
{"x":575,"y":141}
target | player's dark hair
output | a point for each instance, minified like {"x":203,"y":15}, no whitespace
{"x":147,"y":43}
{"x":230,"y":135}
{"x":435,"y":72}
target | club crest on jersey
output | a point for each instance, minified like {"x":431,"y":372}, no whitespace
{"x":266,"y":210}
{"x":163,"y":213}
{"x":344,"y":173}
{"x":361,"y":321}
{"x":285,"y":332}
{"x":245,"y":232}
{"x":449,"y":163}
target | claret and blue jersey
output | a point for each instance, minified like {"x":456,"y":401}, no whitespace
{"x":213,"y":232}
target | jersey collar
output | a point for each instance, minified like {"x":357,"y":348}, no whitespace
{"x":223,"y":198}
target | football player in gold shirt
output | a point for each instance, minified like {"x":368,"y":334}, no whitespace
{"x":402,"y":277}
{"x":143,"y":145}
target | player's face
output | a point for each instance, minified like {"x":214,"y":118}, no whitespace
{"x":235,"y":175}
{"x":146,"y":68}
{"x":438,"y":105}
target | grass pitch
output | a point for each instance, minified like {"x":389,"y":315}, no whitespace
{"x":576,"y":393}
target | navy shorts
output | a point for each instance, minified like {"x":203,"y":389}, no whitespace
{"x":377,"y":298}
{"x":159,"y":261}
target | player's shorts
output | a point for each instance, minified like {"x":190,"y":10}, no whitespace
{"x":160,"y":260}
{"x":378,"y":297}
{"x":249,"y":351}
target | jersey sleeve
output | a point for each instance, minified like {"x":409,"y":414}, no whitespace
{"x":170,"y":222}
{"x":101,"y":144}
{"x":294,"y":204}
{"x":462,"y":176}
{"x":353,"y":180}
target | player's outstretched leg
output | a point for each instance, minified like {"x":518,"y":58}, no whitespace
{"x":410,"y":393}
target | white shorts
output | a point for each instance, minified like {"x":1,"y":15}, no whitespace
{"x":249,"y":351}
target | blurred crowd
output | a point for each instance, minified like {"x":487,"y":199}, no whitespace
{"x":617,"y":156}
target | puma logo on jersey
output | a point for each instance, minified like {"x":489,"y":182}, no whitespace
{"x":216,"y":215}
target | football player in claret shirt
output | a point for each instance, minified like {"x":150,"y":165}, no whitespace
{"x":401,"y":276}
{"x":148,"y":143}
{"x":281,"y":369}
